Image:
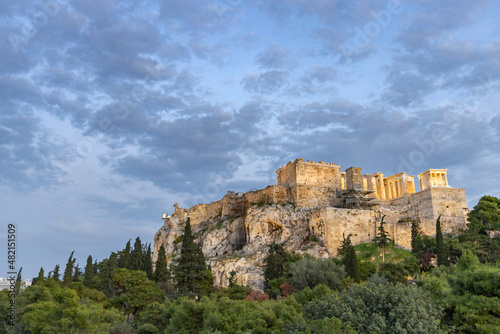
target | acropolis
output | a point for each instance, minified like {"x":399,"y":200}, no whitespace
{"x":318,"y":199}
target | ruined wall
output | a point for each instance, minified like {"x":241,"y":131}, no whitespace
{"x":317,"y":174}
{"x":311,"y":197}
{"x":332,"y":224}
{"x":450,"y":203}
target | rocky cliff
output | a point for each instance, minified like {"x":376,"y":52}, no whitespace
{"x":240,"y":242}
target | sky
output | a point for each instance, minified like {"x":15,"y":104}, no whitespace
{"x":112,"y":111}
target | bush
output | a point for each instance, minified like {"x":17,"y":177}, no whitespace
{"x":309,"y":272}
{"x":382,"y":308}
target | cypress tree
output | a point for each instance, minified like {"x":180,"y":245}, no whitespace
{"x":192,"y":275}
{"x":416,"y":238}
{"x":107,"y":275}
{"x":40,"y":276}
{"x":78,"y":273}
{"x":136,"y":256}
{"x":68,"y":272}
{"x":148,"y":264}
{"x":124,"y":257}
{"x":275,"y":263}
{"x":442,"y":256}
{"x":161,"y":271}
{"x":55,"y":273}
{"x":346,"y":243}
{"x":89,"y":273}
{"x":351,"y":260}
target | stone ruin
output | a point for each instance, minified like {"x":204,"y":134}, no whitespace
{"x":314,"y":201}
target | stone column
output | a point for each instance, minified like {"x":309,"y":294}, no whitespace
{"x":380,"y":179}
{"x":404,"y":184}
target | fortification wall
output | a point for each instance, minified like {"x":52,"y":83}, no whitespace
{"x":450,"y":203}
{"x":312,"y":197}
{"x":332,"y":224}
{"x":317,"y":174}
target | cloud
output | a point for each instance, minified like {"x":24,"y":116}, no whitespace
{"x":276,"y":57}
{"x":269,"y":82}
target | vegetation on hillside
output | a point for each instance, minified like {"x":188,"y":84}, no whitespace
{"x":445,"y":284}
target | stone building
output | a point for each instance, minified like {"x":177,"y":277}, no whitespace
{"x":314,"y":199}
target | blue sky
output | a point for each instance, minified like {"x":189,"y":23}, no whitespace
{"x":112,"y":111}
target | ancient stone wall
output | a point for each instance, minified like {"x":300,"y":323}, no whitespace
{"x":318,"y":174}
{"x":311,"y":197}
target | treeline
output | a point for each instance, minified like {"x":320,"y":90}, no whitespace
{"x":445,"y":284}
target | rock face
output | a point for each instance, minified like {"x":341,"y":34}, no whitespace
{"x":240,"y":243}
{"x":310,"y":209}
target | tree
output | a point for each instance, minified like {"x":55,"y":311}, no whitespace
{"x":134,"y":291}
{"x":351,"y":264}
{"x":346,"y":243}
{"x":136,"y":256}
{"x":442,"y":256}
{"x":417,"y":245}
{"x":78,"y":273}
{"x":39,"y":278}
{"x":89,"y":273}
{"x":379,"y":308}
{"x":107,"y":273}
{"x":124,"y":257}
{"x":161,"y":271}
{"x":148,"y":265}
{"x":382,"y":238}
{"x":68,"y":272}
{"x":309,"y":272}
{"x":275,"y":263}
{"x":55,"y":273}
{"x":192,"y":275}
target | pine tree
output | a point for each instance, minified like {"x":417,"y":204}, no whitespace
{"x":68,"y":272}
{"x":442,"y":256}
{"x":124,"y":257}
{"x":148,"y":264}
{"x":89,"y":273}
{"x":55,"y":273}
{"x":275,"y":263}
{"x":382,"y":238}
{"x":136,"y":256}
{"x":192,"y":275}
{"x":161,"y":271}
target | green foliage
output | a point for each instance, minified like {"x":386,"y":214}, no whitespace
{"x":133,"y":291}
{"x":55,"y":273}
{"x":192,"y":275}
{"x":442,"y":254}
{"x":106,"y":274}
{"x":382,"y":238}
{"x":399,"y":271}
{"x":161,"y":273}
{"x":136,"y":256}
{"x":309,"y":272}
{"x":50,"y":308}
{"x":232,"y":279}
{"x":68,"y":272}
{"x":274,"y":263}
{"x":321,"y":326}
{"x":351,"y":265}
{"x":379,"y":308}
{"x":148,"y":262}
{"x":124,"y":257}
{"x":307,"y":295}
{"x":230,"y":316}
{"x":237,"y":292}
{"x":88,"y":277}
{"x":469,"y":292}
{"x":485,"y":216}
